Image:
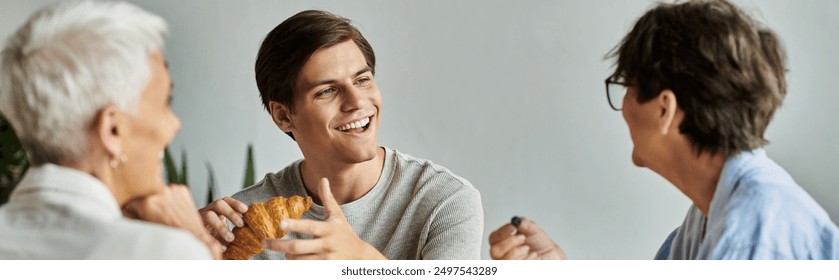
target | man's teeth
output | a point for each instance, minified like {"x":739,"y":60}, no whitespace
{"x":356,"y":124}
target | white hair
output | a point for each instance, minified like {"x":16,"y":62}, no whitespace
{"x":66,"y":63}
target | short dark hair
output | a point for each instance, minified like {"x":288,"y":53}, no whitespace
{"x":288,"y":47}
{"x":726,"y":71}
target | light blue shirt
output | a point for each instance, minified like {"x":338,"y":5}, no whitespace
{"x":758,"y":212}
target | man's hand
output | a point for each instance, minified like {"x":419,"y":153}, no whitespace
{"x":218,"y":212}
{"x":525,"y":242}
{"x":332,"y":239}
{"x":173,"y":207}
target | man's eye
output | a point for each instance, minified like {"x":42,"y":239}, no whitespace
{"x":325,"y":92}
{"x":363,"y":81}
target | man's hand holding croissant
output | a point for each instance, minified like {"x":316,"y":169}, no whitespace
{"x":332,"y":238}
{"x":216,"y":214}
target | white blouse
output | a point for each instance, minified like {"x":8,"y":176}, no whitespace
{"x":62,"y":213}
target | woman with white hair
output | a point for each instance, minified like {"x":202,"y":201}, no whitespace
{"x":86,"y":88}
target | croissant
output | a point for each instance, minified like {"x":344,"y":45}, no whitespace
{"x":263,"y":221}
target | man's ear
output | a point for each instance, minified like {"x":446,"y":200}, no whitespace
{"x":281,"y":115}
{"x":669,"y":114}
{"x":109,"y":128}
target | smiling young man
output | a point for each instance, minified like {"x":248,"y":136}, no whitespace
{"x":315,"y":76}
{"x":701,"y":82}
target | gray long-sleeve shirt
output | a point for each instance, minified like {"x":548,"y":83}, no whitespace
{"x":417,"y":210}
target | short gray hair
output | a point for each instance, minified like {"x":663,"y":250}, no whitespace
{"x":67,"y":62}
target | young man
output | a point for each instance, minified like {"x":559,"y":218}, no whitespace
{"x":315,"y":76}
{"x":701,"y":82}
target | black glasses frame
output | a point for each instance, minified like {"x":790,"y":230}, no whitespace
{"x":608,"y":82}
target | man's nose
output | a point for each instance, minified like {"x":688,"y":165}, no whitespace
{"x":354,"y":99}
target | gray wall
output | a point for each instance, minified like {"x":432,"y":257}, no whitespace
{"x":508,"y":94}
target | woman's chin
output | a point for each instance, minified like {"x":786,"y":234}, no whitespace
{"x":149,"y":186}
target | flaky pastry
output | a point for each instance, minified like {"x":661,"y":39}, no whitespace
{"x":263,"y":221}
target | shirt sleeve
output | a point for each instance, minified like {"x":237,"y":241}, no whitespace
{"x":137,"y":240}
{"x":664,"y":251}
{"x":457,"y":227}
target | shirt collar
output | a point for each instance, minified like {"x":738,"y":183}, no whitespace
{"x":733,"y":170}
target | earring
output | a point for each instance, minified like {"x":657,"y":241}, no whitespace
{"x":122,"y":159}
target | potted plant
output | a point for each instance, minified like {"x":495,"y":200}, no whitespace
{"x":13,"y":160}
{"x":174,"y":176}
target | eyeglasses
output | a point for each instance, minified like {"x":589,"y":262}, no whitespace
{"x":615,"y":91}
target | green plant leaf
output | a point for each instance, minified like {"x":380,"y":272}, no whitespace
{"x":171,"y":168}
{"x":183,"y":177}
{"x":13,"y":160}
{"x":249,"y":173}
{"x":211,"y":184}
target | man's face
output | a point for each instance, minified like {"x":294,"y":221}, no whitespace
{"x":640,"y":118}
{"x":336,"y":106}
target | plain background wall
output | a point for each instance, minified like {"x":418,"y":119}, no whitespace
{"x":508,"y":94}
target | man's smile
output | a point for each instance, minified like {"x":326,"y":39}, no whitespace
{"x":358,"y":125}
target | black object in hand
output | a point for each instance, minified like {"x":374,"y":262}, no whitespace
{"x":515,"y":221}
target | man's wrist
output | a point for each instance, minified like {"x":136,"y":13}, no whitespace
{"x":373,"y":253}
